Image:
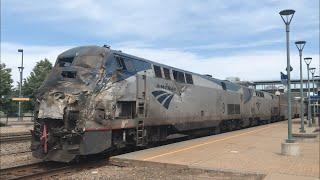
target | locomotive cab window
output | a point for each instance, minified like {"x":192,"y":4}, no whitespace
{"x":189,"y":78}
{"x":157,"y":71}
{"x":166,"y":73}
{"x":178,"y":76}
{"x":121,"y":63}
{"x":65,"y":62}
{"x":223,"y":85}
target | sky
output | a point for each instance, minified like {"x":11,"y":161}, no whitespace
{"x":234,"y":38}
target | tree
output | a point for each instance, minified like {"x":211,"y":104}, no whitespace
{"x":34,"y":80}
{"x":6,"y":105}
{"x":5,"y":80}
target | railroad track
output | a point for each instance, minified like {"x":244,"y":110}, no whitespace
{"x":12,"y":137}
{"x":44,"y":170}
{"x":31,"y":170}
{"x":14,"y":134}
{"x":15,"y":153}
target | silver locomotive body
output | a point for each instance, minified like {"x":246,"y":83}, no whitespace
{"x":97,"y":99}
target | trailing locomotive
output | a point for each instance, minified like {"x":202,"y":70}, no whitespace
{"x":96,"y":99}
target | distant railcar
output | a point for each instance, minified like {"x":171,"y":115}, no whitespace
{"x":96,"y":99}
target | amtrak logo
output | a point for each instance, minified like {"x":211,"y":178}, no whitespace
{"x":163,"y":98}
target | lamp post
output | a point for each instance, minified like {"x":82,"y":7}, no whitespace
{"x":308,"y":61}
{"x":300,"y":45}
{"x":20,"y":85}
{"x":317,"y":85}
{"x":287,"y":16}
{"x":313,"y":70}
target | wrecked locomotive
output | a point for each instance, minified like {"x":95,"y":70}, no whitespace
{"x":96,"y":99}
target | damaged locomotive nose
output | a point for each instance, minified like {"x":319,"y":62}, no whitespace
{"x":52,"y":106}
{"x":57,"y":121}
{"x":68,"y":109}
{"x":58,"y":105}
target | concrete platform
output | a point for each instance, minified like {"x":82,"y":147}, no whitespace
{"x":250,"y":151}
{"x":310,"y":134}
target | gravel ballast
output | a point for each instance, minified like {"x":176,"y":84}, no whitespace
{"x":156,"y":172}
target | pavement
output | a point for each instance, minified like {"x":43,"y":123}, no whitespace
{"x":255,"y":150}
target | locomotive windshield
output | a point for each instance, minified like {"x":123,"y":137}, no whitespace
{"x":80,"y":68}
{"x":85,"y":61}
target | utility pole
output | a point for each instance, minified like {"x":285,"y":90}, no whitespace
{"x":287,"y":16}
{"x":313,"y":70}
{"x":300,"y":45}
{"x":308,"y":61}
{"x":20,"y":85}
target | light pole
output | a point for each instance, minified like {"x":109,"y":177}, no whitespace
{"x":317,"y":109}
{"x":300,"y":45}
{"x":287,"y":16}
{"x":20,"y":85}
{"x":308,"y":61}
{"x":313,"y":70}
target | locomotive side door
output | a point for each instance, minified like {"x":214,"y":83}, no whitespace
{"x":141,"y":95}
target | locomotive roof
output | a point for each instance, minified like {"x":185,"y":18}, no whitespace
{"x":218,"y":81}
{"x":164,"y":65}
{"x":93,"y":49}
{"x":83,"y":50}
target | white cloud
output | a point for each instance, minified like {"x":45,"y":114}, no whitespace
{"x":250,"y":66}
{"x":224,"y":46}
{"x":254,"y":65}
{"x":158,"y":19}
{"x":140,"y":27}
{"x":32,"y":54}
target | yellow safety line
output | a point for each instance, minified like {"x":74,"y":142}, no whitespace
{"x":210,"y":142}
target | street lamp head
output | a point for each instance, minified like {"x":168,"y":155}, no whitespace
{"x":300,"y":45}
{"x":308,"y":60}
{"x":287,"y":12}
{"x":20,"y":50}
{"x":287,"y":15}
{"x":300,"y":42}
{"x":312,"y":70}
